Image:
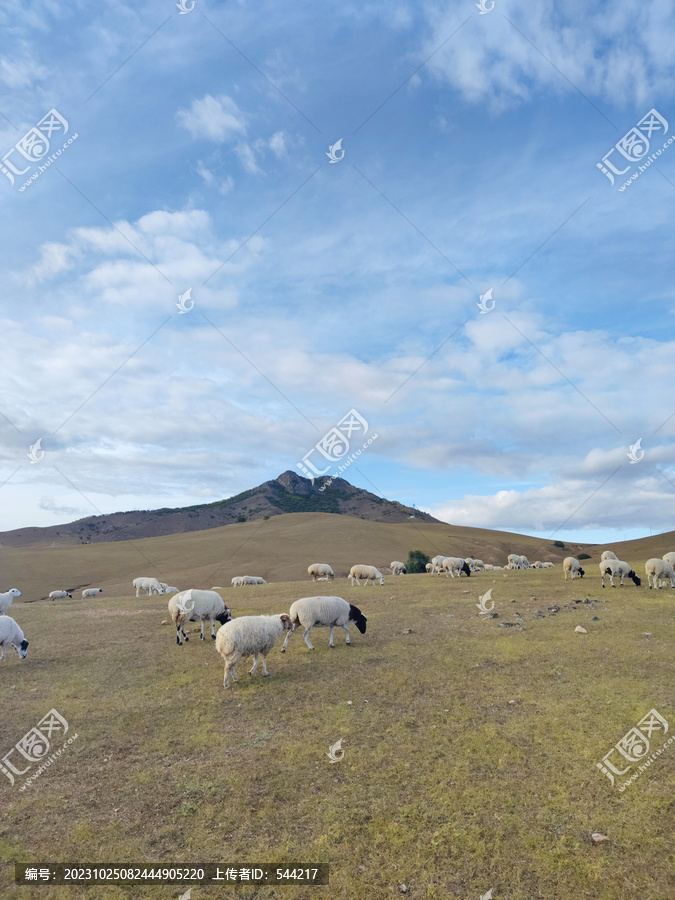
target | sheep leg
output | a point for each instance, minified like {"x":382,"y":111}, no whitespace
{"x":264,"y":659}
{"x":306,"y":637}
{"x":256,"y":660}
{"x":178,"y":640}
{"x":288,"y":637}
{"x":331,"y":644}
{"x":213,"y":629}
{"x":2,"y":651}
{"x":347,"y":630}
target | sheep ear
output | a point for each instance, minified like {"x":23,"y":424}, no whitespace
{"x":285,"y":618}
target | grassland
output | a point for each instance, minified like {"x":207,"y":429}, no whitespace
{"x":470,"y":748}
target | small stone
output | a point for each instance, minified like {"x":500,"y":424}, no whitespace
{"x":597,"y":837}
{"x":594,"y":619}
{"x":493,"y":616}
{"x":580,"y":630}
{"x":512,"y":601}
{"x":403,"y":888}
{"x":407,"y":631}
{"x":518,"y":615}
{"x":540,"y":614}
{"x":512,"y":702}
{"x":164,"y":622}
{"x":451,"y":615}
{"x":349,"y":703}
{"x":587,"y":600}
{"x":507,"y":624}
{"x":577,"y":601}
{"x":362,"y":868}
{"x":465,"y":592}
{"x":647,"y":634}
{"x":553,"y":608}
{"x":533,"y":599}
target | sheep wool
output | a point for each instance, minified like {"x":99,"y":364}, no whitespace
{"x":249,"y":636}
{"x":11,"y":635}
{"x":324,"y":612}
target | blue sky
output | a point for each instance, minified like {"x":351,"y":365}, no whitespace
{"x":470,"y":149}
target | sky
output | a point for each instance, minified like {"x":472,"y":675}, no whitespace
{"x":337,"y":186}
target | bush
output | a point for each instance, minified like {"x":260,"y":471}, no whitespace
{"x":559,"y":544}
{"x":583,"y":556}
{"x":241,"y":518}
{"x":416,"y":561}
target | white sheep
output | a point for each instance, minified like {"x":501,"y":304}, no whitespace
{"x":548,"y":565}
{"x":397,"y":568}
{"x":238,"y":581}
{"x":320,"y":571}
{"x":573,"y":566}
{"x":11,"y":635}
{"x":194,"y":605}
{"x":437,"y":564}
{"x":367,"y":572}
{"x":478,"y":565}
{"x":168,"y":590}
{"x":614,"y":567}
{"x":251,"y":579}
{"x":6,"y":599}
{"x":60,"y":595}
{"x":324,"y":612}
{"x":88,"y":593}
{"x":469,"y":560}
{"x":659,"y":570}
{"x":489,"y":567}
{"x":455,"y":565}
{"x":515,"y":561}
{"x":537,"y":565}
{"x":430,"y":568}
{"x":249,"y":636}
{"x":669,"y":557}
{"x":525,"y":561}
{"x":260,"y":580}
{"x":151,"y":585}
{"x":608,"y":554}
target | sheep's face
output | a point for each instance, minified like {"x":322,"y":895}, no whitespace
{"x":357,"y":617}
{"x":14,"y":592}
{"x":22,"y":649}
{"x":465,"y":568}
{"x":68,"y":594}
{"x":636,"y":578}
{"x":581,"y":573}
{"x":381,"y":579}
{"x":286,"y":622}
{"x":224,"y":616}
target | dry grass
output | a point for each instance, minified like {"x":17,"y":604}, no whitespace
{"x":446,"y":785}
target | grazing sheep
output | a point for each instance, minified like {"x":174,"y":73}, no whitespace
{"x":548,"y":565}
{"x":60,"y":595}
{"x":573,"y":566}
{"x":608,"y":554}
{"x":168,"y":590}
{"x":320,"y":571}
{"x":151,"y":585}
{"x":537,"y":565}
{"x":515,"y":561}
{"x":659,"y":570}
{"x":324,"y":612}
{"x":250,"y":579}
{"x":669,"y":557}
{"x":194,"y":605}
{"x":88,"y":593}
{"x":614,"y":567}
{"x":238,"y":581}
{"x":478,"y":565}
{"x":489,"y":567}
{"x":367,"y":572}
{"x":437,"y":564}
{"x":525,"y":561}
{"x":260,"y":580}
{"x":455,"y":565}
{"x":6,"y":599}
{"x":469,"y":561}
{"x":12,"y":636}
{"x":249,"y":636}
{"x":429,"y":567}
{"x":397,"y":568}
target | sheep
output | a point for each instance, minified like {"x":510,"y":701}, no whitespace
{"x":478,"y":565}
{"x":320,"y":570}
{"x":515,"y":561}
{"x":238,"y":581}
{"x":6,"y":599}
{"x":537,"y":565}
{"x":613,"y":567}
{"x":455,"y":564}
{"x":659,"y":570}
{"x":151,"y":585}
{"x":249,"y":636}
{"x":88,"y":593}
{"x":430,"y":568}
{"x":489,"y":567}
{"x":12,"y":636}
{"x":324,"y":612}
{"x":548,"y":565}
{"x":669,"y":557}
{"x":195,"y":605}
{"x":437,"y":563}
{"x":573,"y":566}
{"x":470,"y":562}
{"x":367,"y":572}
{"x":525,"y":561}
{"x":60,"y":595}
{"x":397,"y":568}
{"x":251,"y":579}
{"x":260,"y":580}
{"x":608,"y":554}
{"x":168,"y":590}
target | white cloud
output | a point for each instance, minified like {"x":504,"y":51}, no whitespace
{"x":216,"y":118}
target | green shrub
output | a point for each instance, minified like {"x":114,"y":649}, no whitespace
{"x":583,"y":556}
{"x":416,"y":562}
{"x":559,"y":544}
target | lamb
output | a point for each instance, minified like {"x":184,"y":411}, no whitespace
{"x":168,"y":590}
{"x":657,"y":571}
{"x":320,"y":570}
{"x":194,"y":605}
{"x":573,"y":566}
{"x":614,"y":567}
{"x":249,"y":636}
{"x":456,"y":565}
{"x":367,"y":572}
{"x":324,"y":612}
{"x":6,"y":599}
{"x":12,"y":636}
{"x":608,"y":554}
{"x":151,"y":585}
{"x":669,"y":557}
{"x":88,"y":593}
{"x":397,"y":568}
{"x":60,"y":595}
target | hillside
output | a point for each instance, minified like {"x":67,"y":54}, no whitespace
{"x":279,"y":549}
{"x":289,"y":493}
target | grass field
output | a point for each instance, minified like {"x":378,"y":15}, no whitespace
{"x":470,"y":748}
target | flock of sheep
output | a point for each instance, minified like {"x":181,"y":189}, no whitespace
{"x":257,"y":635}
